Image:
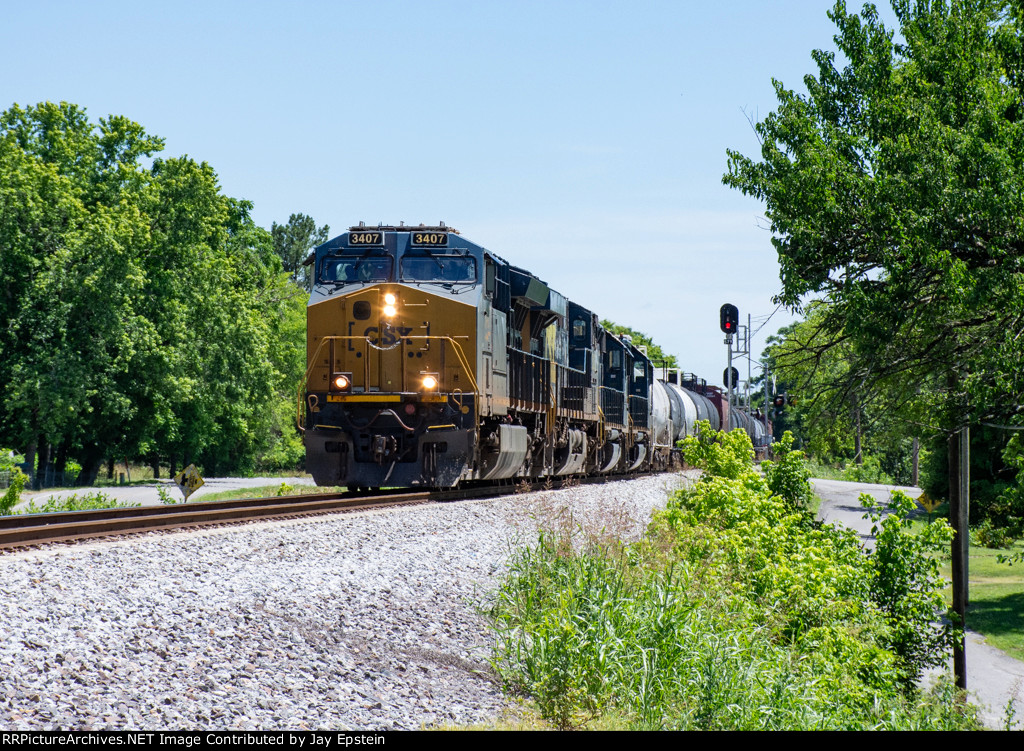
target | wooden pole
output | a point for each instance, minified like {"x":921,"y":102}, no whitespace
{"x":959,"y":579}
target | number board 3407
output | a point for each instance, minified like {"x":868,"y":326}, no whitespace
{"x":430,"y":239}
{"x":365,"y":238}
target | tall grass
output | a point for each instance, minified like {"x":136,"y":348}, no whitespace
{"x":736,"y":612}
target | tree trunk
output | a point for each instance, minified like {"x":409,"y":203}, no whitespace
{"x":155,"y":464}
{"x":61,"y":464}
{"x":45,"y":468}
{"x":858,"y":455}
{"x":92,"y":459}
{"x":916,"y":463}
{"x":30,"y":464}
{"x":110,"y":468}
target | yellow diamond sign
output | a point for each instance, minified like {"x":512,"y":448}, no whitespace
{"x":927,"y":503}
{"x":188,"y":480}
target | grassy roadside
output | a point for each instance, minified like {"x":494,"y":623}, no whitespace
{"x":269,"y":491}
{"x":996,"y":609}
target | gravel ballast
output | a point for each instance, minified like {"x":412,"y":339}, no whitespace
{"x":361,"y":621}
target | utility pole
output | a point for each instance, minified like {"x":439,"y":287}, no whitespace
{"x":747,"y":347}
{"x":959,"y":455}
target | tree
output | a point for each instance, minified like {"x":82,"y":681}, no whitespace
{"x":836,"y":425}
{"x":141,"y":308}
{"x":294,"y":241}
{"x":654,"y":352}
{"x":895,"y":189}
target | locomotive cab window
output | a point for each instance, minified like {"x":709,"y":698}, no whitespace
{"x":355,"y":270}
{"x":439,"y":268}
{"x":579,"y":330}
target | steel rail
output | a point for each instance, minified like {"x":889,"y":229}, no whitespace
{"x":71,"y":526}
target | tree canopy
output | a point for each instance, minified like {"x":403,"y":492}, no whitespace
{"x":895,"y":192}
{"x":142,"y":309}
{"x":654,"y":352}
{"x":293,"y":242}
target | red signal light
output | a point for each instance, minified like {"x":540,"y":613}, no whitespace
{"x":729,"y":317}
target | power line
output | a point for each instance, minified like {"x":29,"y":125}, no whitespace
{"x":777,"y":307}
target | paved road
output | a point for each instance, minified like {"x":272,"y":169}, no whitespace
{"x":993,"y":678}
{"x":147,"y":494}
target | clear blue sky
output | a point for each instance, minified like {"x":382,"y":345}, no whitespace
{"x":584,"y":141}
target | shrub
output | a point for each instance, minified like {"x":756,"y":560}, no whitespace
{"x":12,"y":496}
{"x":9,"y":459}
{"x":869,"y":471}
{"x":906,"y":586}
{"x":788,"y":475}
{"x":736,"y":612}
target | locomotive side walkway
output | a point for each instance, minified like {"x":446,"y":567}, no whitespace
{"x":993,"y":677}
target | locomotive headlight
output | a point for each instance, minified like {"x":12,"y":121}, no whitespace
{"x":430,"y":382}
{"x":390,"y":310}
{"x":390,"y":304}
{"x":341,"y":381}
{"x":390,"y":299}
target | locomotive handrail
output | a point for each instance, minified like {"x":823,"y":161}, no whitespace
{"x":463,"y":361}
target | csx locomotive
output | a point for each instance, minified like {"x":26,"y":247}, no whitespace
{"x":432,"y":361}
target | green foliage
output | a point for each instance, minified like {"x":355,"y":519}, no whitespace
{"x":654,"y":352}
{"x":9,"y":459}
{"x":144,"y":313}
{"x":1007,"y":512}
{"x":825,"y":418}
{"x":895,"y":192}
{"x":906,"y":586}
{"x":736,"y":612}
{"x":166,"y":498}
{"x":293,"y":243}
{"x":74,"y":502}
{"x":12,"y":496}
{"x":788,"y":475}
{"x":869,"y":471}
{"x":719,"y":453}
{"x":997,"y":501}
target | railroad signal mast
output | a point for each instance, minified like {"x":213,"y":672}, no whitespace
{"x":737,"y":339}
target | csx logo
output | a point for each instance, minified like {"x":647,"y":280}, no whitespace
{"x":390,"y":336}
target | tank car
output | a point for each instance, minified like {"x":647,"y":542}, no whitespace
{"x":432,"y":361}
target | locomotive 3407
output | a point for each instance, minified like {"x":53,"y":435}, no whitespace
{"x":432,"y":361}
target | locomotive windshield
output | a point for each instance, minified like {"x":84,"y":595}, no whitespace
{"x":342,"y":270}
{"x":438,"y":268}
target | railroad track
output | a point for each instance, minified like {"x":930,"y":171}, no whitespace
{"x":71,"y":526}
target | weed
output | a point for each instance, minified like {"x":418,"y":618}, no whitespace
{"x":572,"y":481}
{"x":1010,"y":710}
{"x":74,"y":502}
{"x":166,"y":498}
